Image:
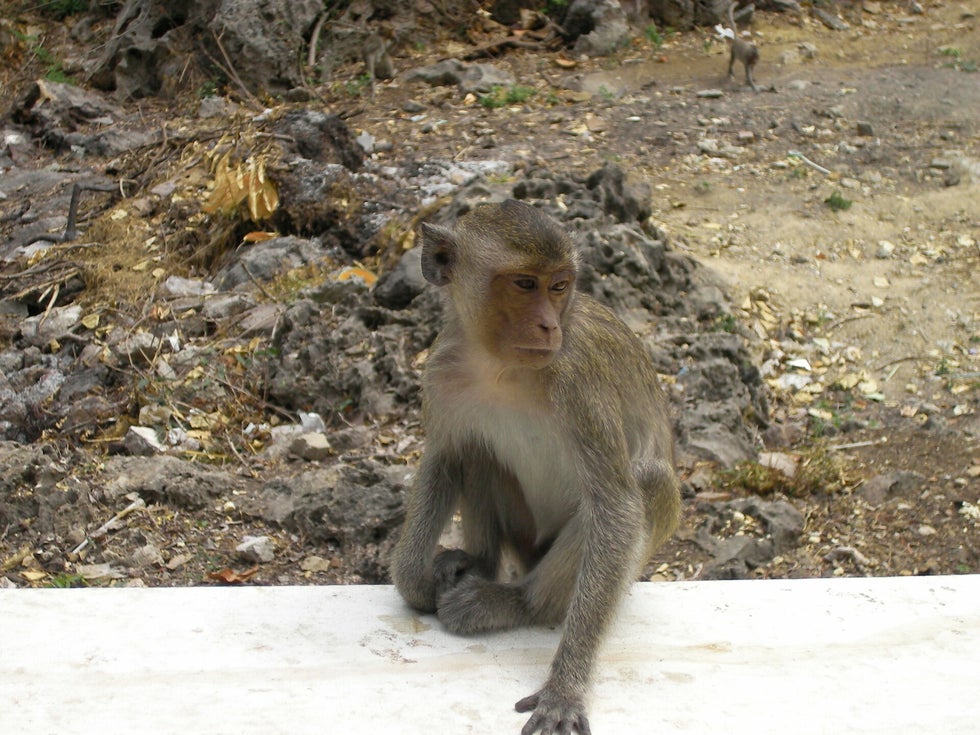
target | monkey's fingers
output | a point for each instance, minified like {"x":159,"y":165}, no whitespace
{"x":558,"y":718}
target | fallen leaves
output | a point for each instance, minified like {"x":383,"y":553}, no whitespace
{"x":230,"y":576}
{"x":242,"y":182}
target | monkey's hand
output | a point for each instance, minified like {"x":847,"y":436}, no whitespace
{"x":554,"y":713}
{"x":449,"y":568}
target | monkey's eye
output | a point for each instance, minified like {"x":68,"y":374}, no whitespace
{"x":525,"y":283}
{"x":559,"y":287}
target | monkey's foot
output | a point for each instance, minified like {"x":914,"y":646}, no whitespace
{"x":449,"y":568}
{"x":553,"y":714}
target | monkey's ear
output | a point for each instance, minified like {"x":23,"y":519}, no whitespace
{"x":438,"y":253}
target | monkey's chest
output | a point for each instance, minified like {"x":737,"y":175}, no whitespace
{"x":536,"y":453}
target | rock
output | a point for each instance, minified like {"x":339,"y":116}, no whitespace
{"x":256,"y":549}
{"x":833,"y":22}
{"x":398,"y":287}
{"x":470,"y":78}
{"x":322,"y":138}
{"x":176,"y":286}
{"x":142,"y":441}
{"x":66,"y":116}
{"x":165,"y":480}
{"x":50,"y":325}
{"x":147,"y":556}
{"x":226,"y":306}
{"x":265,"y":38}
{"x":265,"y":260}
{"x":735,"y":556}
{"x":885,"y":249}
{"x":865,"y":129}
{"x":134,"y":348}
{"x":597,"y":27}
{"x":808,"y":50}
{"x":627,"y":202}
{"x":783,"y":522}
{"x":342,"y":504}
{"x":315,"y":564}
{"x":901,"y":483}
{"x":312,"y":446}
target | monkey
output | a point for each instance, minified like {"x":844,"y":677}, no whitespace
{"x":745,"y":52}
{"x":547,"y":428}
{"x":377,"y":58}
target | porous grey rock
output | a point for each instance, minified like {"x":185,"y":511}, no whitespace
{"x":266,"y":260}
{"x":470,"y":78}
{"x":166,"y":480}
{"x":143,"y":441}
{"x":734,"y":557}
{"x":343,"y":504}
{"x":256,"y":549}
{"x":900,"y":483}
{"x":50,"y":325}
{"x":597,"y":27}
{"x":398,"y":287}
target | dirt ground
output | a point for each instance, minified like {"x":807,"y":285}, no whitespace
{"x":867,"y":315}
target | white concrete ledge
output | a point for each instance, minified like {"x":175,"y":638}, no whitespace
{"x":807,"y":656}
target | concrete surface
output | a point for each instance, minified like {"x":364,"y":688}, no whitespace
{"x":788,"y":657}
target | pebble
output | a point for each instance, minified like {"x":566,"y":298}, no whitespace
{"x":865,"y":129}
{"x":311,"y":446}
{"x":927,"y":531}
{"x":142,"y":441}
{"x":885,"y":249}
{"x":256,"y":549}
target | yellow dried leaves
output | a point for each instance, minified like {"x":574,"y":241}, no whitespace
{"x":244,"y":182}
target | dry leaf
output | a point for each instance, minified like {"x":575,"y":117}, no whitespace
{"x":354,"y":272}
{"x":230,"y":576}
{"x":259,"y":236}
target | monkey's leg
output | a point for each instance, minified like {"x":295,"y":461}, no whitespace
{"x":430,"y":504}
{"x":478,"y":604}
{"x":731,"y":63}
{"x":749,"y":79}
{"x":486,"y":498}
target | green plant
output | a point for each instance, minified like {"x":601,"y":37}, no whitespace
{"x":837,"y":202}
{"x":54,"y":71}
{"x":726,"y":323}
{"x":208,"y":89}
{"x":654,"y":36}
{"x":61,"y":9}
{"x":606,"y":93}
{"x":500,"y":96}
{"x":818,"y":470}
{"x":355,"y":87}
{"x":67,"y":581}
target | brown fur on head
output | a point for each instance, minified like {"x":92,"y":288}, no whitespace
{"x":510,"y":272}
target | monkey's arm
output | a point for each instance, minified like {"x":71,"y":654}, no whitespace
{"x":429,"y":507}
{"x":615,"y":538}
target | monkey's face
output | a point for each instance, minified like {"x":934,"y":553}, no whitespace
{"x":524,"y":315}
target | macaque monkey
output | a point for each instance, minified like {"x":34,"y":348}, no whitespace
{"x":547,"y":428}
{"x":740,"y":49}
{"x":377,"y":58}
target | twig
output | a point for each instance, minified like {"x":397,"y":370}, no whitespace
{"x":808,"y":162}
{"x":845,"y":320}
{"x":315,"y":39}
{"x":110,"y":525}
{"x":258,"y":284}
{"x":228,"y":69}
{"x":857,"y":445}
{"x":910,"y":358}
{"x":71,"y":231}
